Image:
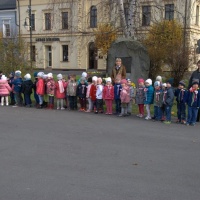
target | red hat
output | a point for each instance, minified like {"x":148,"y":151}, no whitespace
{"x":140,"y":80}
{"x":123,"y":81}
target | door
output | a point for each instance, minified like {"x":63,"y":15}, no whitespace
{"x":93,"y":57}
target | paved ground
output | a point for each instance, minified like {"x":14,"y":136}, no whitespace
{"x":66,"y":155}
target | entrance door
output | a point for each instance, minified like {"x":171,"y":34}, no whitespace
{"x":48,"y":56}
{"x":92,"y":56}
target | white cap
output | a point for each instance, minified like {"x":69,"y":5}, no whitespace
{"x":158,"y":78}
{"x":50,"y":75}
{"x":40,"y":74}
{"x":59,"y":76}
{"x":149,"y":81}
{"x":84,"y":74}
{"x":164,"y":85}
{"x":27,"y":76}
{"x":108,"y":79}
{"x":3,"y":77}
{"x":44,"y":76}
{"x":94,"y":78}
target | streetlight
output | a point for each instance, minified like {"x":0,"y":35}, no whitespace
{"x":30,"y":29}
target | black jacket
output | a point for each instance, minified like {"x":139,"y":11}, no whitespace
{"x":27,"y":87}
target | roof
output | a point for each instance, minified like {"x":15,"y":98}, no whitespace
{"x":7,"y":4}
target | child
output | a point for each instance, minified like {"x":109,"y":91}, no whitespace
{"x":71,"y":92}
{"x":5,"y":90}
{"x":99,"y":96}
{"x":125,"y":98}
{"x":34,"y":89}
{"x":50,"y":90}
{"x":93,"y":91}
{"x":60,"y":90}
{"x":158,"y":101}
{"x":17,"y":83}
{"x":130,"y":105}
{"x":168,"y":99}
{"x":40,"y":89}
{"x":27,"y":86}
{"x":90,"y":105}
{"x":12,"y":95}
{"x":149,"y":96}
{"x":159,"y":78}
{"x":117,"y":91}
{"x":108,"y":95}
{"x":181,"y":97}
{"x":84,"y":75}
{"x":140,"y":97}
{"x":81,"y":93}
{"x":193,"y":102}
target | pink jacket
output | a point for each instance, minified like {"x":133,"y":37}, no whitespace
{"x":88,"y":91}
{"x":125,"y":95}
{"x":60,"y":95}
{"x":40,"y":87}
{"x":50,"y":87}
{"x":108,"y":92}
{"x":5,"y":89}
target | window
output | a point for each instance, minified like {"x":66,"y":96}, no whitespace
{"x":33,"y":54}
{"x":64,"y":20}
{"x":33,"y":22}
{"x":146,"y":15}
{"x":6,"y":28}
{"x":47,"y":21}
{"x":169,"y":11}
{"x":93,"y":17}
{"x":65,"y":53}
{"x":197,"y":15}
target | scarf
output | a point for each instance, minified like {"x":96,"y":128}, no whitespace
{"x":194,"y":95}
{"x":157,"y":96}
{"x":61,"y":88}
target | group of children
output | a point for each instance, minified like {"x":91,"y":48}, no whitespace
{"x":94,"y":92}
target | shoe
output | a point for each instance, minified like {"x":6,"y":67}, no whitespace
{"x":138,"y":115}
{"x":62,"y":108}
{"x":80,"y":110}
{"x":187,"y":124}
{"x":167,"y":122}
{"x":147,"y":118}
{"x":1,"y":104}
{"x":120,"y":115}
{"x":178,"y":121}
{"x":183,"y":122}
{"x":141,"y":116}
{"x":58,"y":108}
{"x":96,"y":112}
{"x":88,"y":111}
{"x":107,"y":113}
{"x":193,"y":124}
{"x":110,"y":113}
{"x":15,"y":106}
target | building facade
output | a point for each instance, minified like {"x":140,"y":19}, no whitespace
{"x":63,"y":30}
{"x":8,"y":19}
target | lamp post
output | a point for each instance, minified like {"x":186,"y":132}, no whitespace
{"x":30,"y":30}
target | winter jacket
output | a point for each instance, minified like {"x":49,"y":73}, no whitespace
{"x":193,"y":98}
{"x":117,"y":90}
{"x":140,"y":95}
{"x":81,"y":90}
{"x":40,"y":87}
{"x":35,"y":84}
{"x":5,"y":89}
{"x":149,"y":94}
{"x":158,"y":98}
{"x":93,"y":91}
{"x":27,"y":86}
{"x":131,"y":92}
{"x":71,"y":88}
{"x":168,"y":96}
{"x":125,"y":95}
{"x":108,"y":92}
{"x":195,"y":75}
{"x":17,"y":84}
{"x":88,"y":91}
{"x":118,"y":73}
{"x":50,"y":87}
{"x":99,"y":92}
{"x":58,"y":93}
{"x":181,"y":95}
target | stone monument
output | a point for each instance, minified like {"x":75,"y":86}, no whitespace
{"x":134,"y":57}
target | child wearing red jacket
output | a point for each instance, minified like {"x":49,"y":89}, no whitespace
{"x":40,"y":89}
{"x":108,"y":96}
{"x":93,"y":91}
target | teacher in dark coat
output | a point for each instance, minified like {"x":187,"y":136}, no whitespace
{"x":195,"y":75}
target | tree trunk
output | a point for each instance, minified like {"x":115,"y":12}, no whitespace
{"x":131,"y":17}
{"x":122,"y":17}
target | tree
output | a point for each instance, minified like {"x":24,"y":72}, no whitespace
{"x":104,"y":36}
{"x":165,"y":44}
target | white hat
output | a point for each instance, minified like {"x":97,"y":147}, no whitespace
{"x":149,"y":81}
{"x":159,"y":78}
{"x":50,"y":75}
{"x":18,"y":73}
{"x":59,"y":76}
{"x":108,"y":79}
{"x":94,"y":78}
{"x":27,"y":76}
{"x":3,"y":77}
{"x":84,"y":74}
{"x":40,"y":74}
{"x":164,"y":85}
{"x":44,"y":76}
{"x":157,"y":83}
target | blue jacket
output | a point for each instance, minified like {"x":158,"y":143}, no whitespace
{"x":181,"y":95}
{"x":17,"y":84}
{"x":168,"y":96}
{"x":149,"y":95}
{"x":117,"y":91}
{"x":193,"y":100}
